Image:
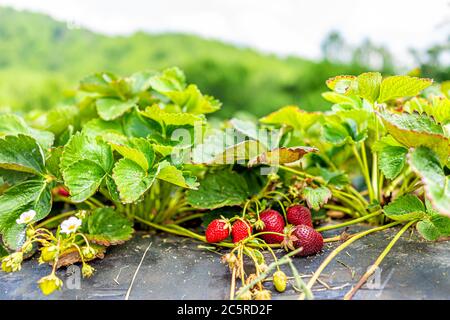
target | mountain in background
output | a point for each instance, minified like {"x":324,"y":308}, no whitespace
{"x":42,"y":60}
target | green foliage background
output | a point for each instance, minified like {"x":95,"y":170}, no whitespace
{"x":42,"y":60}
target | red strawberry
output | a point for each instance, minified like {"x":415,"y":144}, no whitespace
{"x":240,"y":230}
{"x":273,"y":222}
{"x":62,"y":191}
{"x":218,"y":230}
{"x":298,"y":215}
{"x":308,"y":238}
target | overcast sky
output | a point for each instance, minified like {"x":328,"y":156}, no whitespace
{"x":277,"y":26}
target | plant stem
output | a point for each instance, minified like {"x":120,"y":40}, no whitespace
{"x":364,"y":170}
{"x":189,"y":217}
{"x":336,"y":251}
{"x":303,"y":174}
{"x":299,"y":281}
{"x":374,"y":267}
{"x":338,"y":208}
{"x":264,"y":274}
{"x":348,"y":223}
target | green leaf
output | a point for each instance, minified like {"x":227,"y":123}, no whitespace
{"x":112,"y":108}
{"x":11,"y":124}
{"x":340,"y":99}
{"x":428,"y":230}
{"x":83,"y":178}
{"x":28,"y":195}
{"x":137,"y":149}
{"x":172,"y":118}
{"x":337,"y":179}
{"x":281,"y":155}
{"x":107,"y":227}
{"x":405,"y":208}
{"x":3,"y":252}
{"x":414,"y":130}
{"x":402,"y":86}
{"x":21,"y":153}
{"x":134,"y":125}
{"x":238,"y":153}
{"x":391,"y":161}
{"x":12,"y":177}
{"x":294,"y":117}
{"x":175,"y":176}
{"x":425,"y":164}
{"x":368,"y":86}
{"x":99,"y":83}
{"x":219,"y":189}
{"x":391,"y":156}
{"x":132,"y":180}
{"x":341,"y":84}
{"x":191,"y":100}
{"x":434,"y":226}
{"x":82,"y":147}
{"x":56,"y":120}
{"x":53,"y":161}
{"x":172,"y":79}
{"x":316,"y":197}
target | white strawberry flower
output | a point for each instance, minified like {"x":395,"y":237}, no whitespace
{"x":70,"y":225}
{"x":26,"y":217}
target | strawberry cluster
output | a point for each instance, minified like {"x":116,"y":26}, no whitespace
{"x":298,"y":233}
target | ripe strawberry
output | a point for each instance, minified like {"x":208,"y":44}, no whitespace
{"x":218,"y":230}
{"x":240,"y":230}
{"x":298,"y":215}
{"x":273,"y":222}
{"x":308,"y":238}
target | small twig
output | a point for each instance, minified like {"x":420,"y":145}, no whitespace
{"x":127,"y":296}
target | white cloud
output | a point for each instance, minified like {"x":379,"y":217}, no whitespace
{"x":282,"y":26}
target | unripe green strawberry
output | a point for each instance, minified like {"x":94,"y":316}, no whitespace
{"x":280,"y":281}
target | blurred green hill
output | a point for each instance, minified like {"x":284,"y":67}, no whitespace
{"x":42,"y":60}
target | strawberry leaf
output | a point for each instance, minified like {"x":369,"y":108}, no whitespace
{"x":28,"y":195}
{"x":405,"y":208}
{"x":21,"y":153}
{"x":391,"y":156}
{"x":316,"y":197}
{"x":172,"y":118}
{"x":83,"y":178}
{"x":191,"y":100}
{"x":294,"y":117}
{"x":132,"y":180}
{"x":414,"y":130}
{"x":425,"y":163}
{"x":402,"y":86}
{"x":11,"y":124}
{"x":112,"y":108}
{"x":175,"y":176}
{"x":281,"y":155}
{"x":106,"y":227}
{"x":137,"y":149}
{"x":171,"y":79}
{"x":219,"y":189}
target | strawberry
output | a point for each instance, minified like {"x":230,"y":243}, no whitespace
{"x":218,"y":230}
{"x":298,"y":215}
{"x":308,"y":238}
{"x":273,"y":222}
{"x":240,"y":230}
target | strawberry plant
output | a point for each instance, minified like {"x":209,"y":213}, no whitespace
{"x":138,"y":152}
